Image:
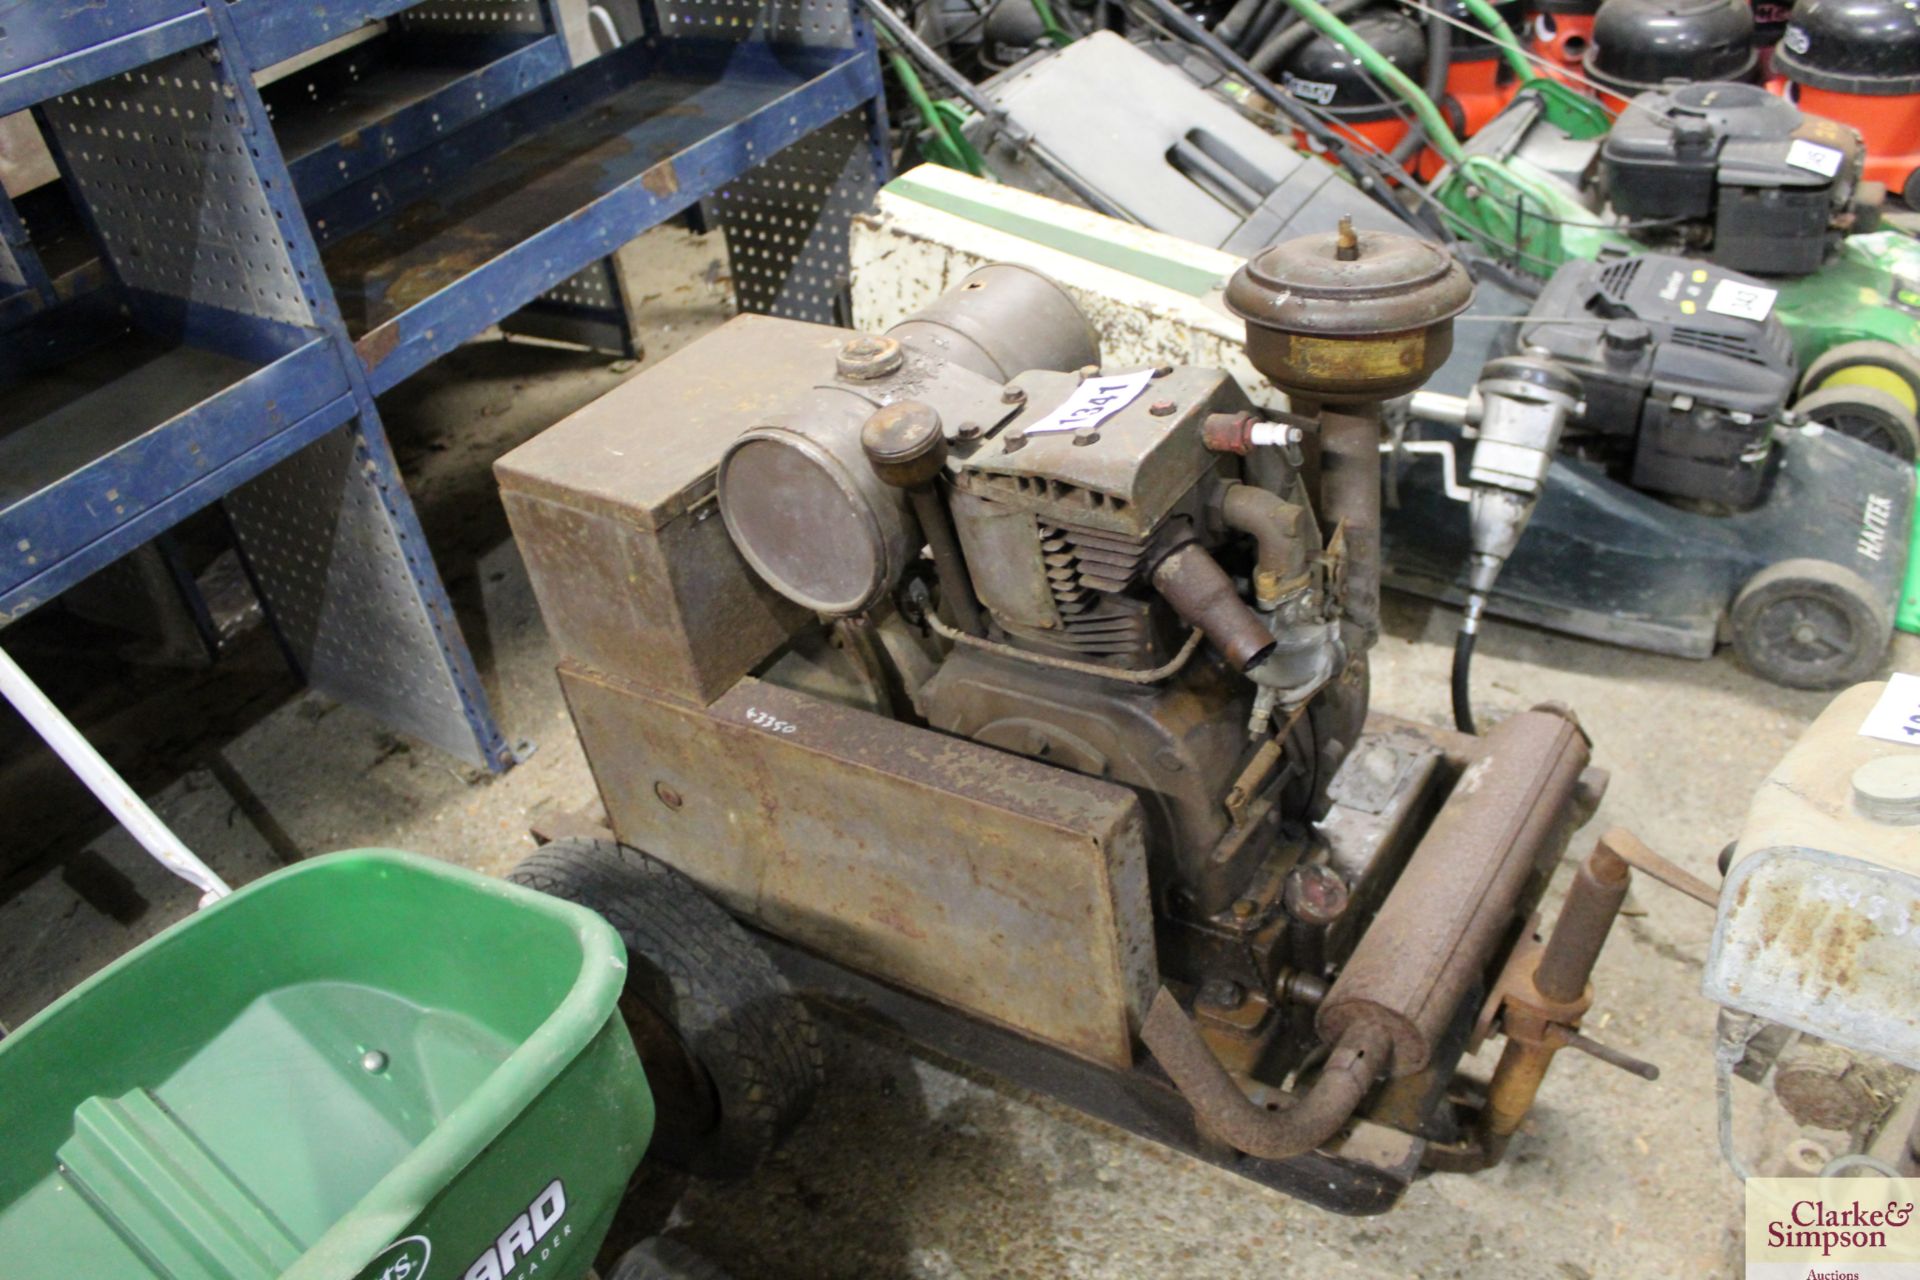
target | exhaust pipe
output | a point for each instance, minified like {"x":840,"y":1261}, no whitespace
{"x":1430,"y":944}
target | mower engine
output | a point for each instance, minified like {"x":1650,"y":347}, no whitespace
{"x":1029,"y":697}
{"x":1687,"y":381}
{"x":1739,"y":174}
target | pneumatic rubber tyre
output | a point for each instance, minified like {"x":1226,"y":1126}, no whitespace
{"x":731,"y":1054}
{"x":664,"y":1259}
{"x":1810,"y":624}
{"x":1866,"y":414}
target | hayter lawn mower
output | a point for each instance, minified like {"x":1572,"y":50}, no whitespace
{"x":1022,"y":702}
{"x":1692,"y":379}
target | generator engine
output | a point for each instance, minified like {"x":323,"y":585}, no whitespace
{"x":1035,"y":691}
{"x":1687,"y":381}
{"x":1739,"y":174}
{"x":1089,"y":534}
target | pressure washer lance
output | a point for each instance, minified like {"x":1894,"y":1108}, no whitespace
{"x":1514,"y":414}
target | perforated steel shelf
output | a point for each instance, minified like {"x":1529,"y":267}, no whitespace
{"x":621,"y":144}
{"x":173,"y":334}
{"x":354,"y":114}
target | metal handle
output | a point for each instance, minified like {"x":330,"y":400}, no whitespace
{"x":142,"y":823}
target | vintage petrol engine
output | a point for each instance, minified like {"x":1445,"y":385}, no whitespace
{"x":1025,"y":702}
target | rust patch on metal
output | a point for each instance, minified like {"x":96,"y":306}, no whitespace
{"x":1008,"y":889}
{"x":661,"y":179}
{"x":378,"y":345}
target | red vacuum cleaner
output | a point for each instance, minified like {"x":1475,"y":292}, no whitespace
{"x":1558,"y":32}
{"x":1640,"y":45}
{"x":1321,"y":72}
{"x":1858,"y":62}
{"x":1479,"y":81}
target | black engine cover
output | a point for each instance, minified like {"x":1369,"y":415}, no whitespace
{"x":1687,"y":393}
{"x":1765,"y":183}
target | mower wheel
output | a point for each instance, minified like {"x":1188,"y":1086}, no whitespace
{"x":1883,"y":366}
{"x":664,"y":1259}
{"x":731,"y":1054}
{"x":1810,"y":624}
{"x":1866,"y":414}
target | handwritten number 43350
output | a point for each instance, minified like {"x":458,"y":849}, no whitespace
{"x":772,"y":724}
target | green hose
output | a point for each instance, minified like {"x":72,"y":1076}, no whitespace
{"x":945,"y":145}
{"x":1503,"y":36}
{"x":1051,"y":25}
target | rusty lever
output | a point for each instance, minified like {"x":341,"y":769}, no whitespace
{"x":1612,"y":1057}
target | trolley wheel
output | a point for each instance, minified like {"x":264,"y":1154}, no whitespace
{"x":1866,"y":414}
{"x":1810,"y":624}
{"x":731,"y":1054}
{"x":1880,"y":366}
{"x":663,"y":1259}
{"x":1910,"y":191}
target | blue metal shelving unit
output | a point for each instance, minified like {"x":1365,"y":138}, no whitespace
{"x":205,"y":306}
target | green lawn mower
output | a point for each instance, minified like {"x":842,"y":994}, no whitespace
{"x":1705,"y":507}
{"x":1723,"y":172}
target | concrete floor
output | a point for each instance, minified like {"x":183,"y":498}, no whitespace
{"x":908,"y":1168}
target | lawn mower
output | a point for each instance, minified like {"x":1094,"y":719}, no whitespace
{"x":1021,"y":700}
{"x":1687,"y":506}
{"x":1720,"y":171}
{"x":330,"y":1075}
{"x":1856,"y":62}
{"x":1724,"y":172}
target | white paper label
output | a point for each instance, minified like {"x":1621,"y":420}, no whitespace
{"x":1741,"y":300}
{"x":1093,"y":402}
{"x":1896,"y":717}
{"x":1814,"y":158}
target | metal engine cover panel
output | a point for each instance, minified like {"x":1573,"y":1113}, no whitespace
{"x":1003,"y":887}
{"x":1819,"y":924}
{"x":1178,"y":744}
{"x":613,"y":508}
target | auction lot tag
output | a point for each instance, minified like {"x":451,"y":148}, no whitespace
{"x":1814,"y":158}
{"x":1815,"y":1228}
{"x":1093,"y":402}
{"x":1896,"y":717}
{"x":1743,"y":301}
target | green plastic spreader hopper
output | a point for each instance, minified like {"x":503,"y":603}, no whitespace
{"x":370,"y":1066}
